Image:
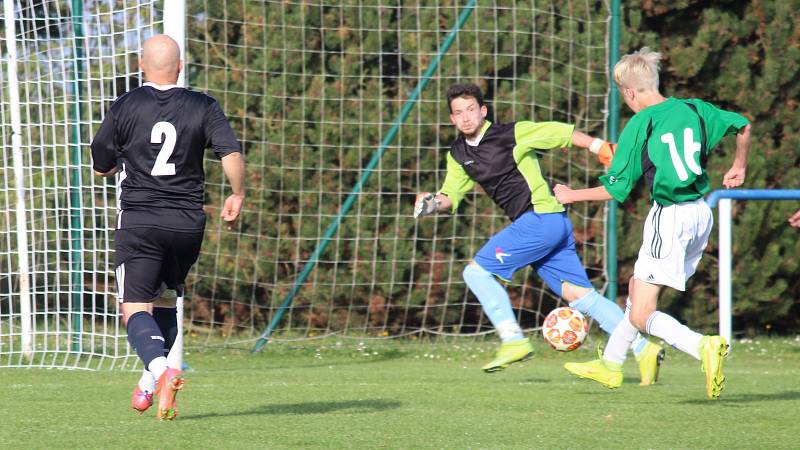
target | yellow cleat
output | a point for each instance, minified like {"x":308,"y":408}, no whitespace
{"x":650,"y":363}
{"x":713,"y":350}
{"x":596,"y":370}
{"x":509,"y":353}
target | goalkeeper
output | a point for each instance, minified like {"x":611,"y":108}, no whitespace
{"x":502,"y":159}
{"x":677,"y":228}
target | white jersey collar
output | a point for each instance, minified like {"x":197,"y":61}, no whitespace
{"x":477,"y":140}
{"x":161,"y":87}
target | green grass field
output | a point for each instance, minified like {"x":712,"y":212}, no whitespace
{"x":404,"y":394}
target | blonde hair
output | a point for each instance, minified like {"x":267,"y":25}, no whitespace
{"x":639,"y":70}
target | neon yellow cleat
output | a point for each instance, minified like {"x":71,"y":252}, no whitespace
{"x":713,"y":350}
{"x":597,"y":370}
{"x":650,"y":363}
{"x":509,"y":353}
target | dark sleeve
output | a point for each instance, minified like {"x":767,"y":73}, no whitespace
{"x":219,"y":134}
{"x":104,"y":146}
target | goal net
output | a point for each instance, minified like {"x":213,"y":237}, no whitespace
{"x":312,"y":89}
{"x":61,"y":69}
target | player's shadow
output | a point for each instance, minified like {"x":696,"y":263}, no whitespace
{"x":384,"y":356}
{"x":733,"y":399}
{"x":534,"y":381}
{"x":336,"y":360}
{"x":352,"y":406}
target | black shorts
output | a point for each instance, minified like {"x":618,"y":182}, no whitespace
{"x":146,"y":259}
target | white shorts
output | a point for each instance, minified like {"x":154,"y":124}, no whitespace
{"x":674,"y":239}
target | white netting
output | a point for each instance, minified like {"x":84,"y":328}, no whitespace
{"x":312,"y":88}
{"x":65,"y":85}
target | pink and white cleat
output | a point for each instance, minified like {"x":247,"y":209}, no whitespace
{"x":141,"y":400}
{"x":169,"y":383}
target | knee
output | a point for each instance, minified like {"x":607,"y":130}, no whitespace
{"x":129,"y":309}
{"x":571,"y":292}
{"x":125,"y":317}
{"x":472,"y":271}
{"x":639,"y":323}
{"x":639,"y":318}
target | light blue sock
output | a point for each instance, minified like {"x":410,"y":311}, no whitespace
{"x":638,"y":344}
{"x":604,"y":311}
{"x":495,"y":302}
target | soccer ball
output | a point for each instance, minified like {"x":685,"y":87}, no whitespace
{"x":565,"y":329}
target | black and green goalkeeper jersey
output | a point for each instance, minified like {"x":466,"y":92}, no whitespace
{"x":668,"y":144}
{"x":504,"y":163}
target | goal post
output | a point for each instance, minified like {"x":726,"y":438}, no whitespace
{"x":175,"y":27}
{"x":20,"y":204}
{"x":724,"y":198}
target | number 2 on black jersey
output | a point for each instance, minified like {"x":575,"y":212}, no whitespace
{"x":162,"y":167}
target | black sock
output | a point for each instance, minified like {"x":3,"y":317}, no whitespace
{"x":167,"y":321}
{"x":145,"y":337}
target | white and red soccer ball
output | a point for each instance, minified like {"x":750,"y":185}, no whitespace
{"x":565,"y":329}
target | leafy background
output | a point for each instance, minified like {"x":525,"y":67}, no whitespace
{"x":312,"y":89}
{"x":741,"y":55}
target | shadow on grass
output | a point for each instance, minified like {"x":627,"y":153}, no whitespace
{"x":353,"y":406}
{"x":534,"y":381}
{"x":263,"y":361}
{"x":747,"y":398}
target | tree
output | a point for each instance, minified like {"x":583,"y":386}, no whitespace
{"x":742,"y":56}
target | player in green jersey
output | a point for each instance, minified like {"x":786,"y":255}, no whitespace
{"x":502,"y":159}
{"x":667,"y":142}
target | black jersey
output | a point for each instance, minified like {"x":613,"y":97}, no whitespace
{"x":157,"y":135}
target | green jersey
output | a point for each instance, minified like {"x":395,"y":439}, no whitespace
{"x":668,"y":144}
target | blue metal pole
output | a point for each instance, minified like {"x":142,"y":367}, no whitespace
{"x":752,"y":194}
{"x":376,"y":157}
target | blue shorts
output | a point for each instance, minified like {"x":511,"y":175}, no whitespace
{"x":544,"y":241}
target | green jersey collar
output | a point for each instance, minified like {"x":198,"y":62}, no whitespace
{"x":666,"y":104}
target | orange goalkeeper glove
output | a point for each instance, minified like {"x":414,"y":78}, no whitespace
{"x":606,"y":154}
{"x":604,"y":151}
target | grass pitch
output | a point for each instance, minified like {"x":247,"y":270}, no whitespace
{"x":400,"y":394}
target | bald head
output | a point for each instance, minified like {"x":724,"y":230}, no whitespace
{"x":161,"y":60}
